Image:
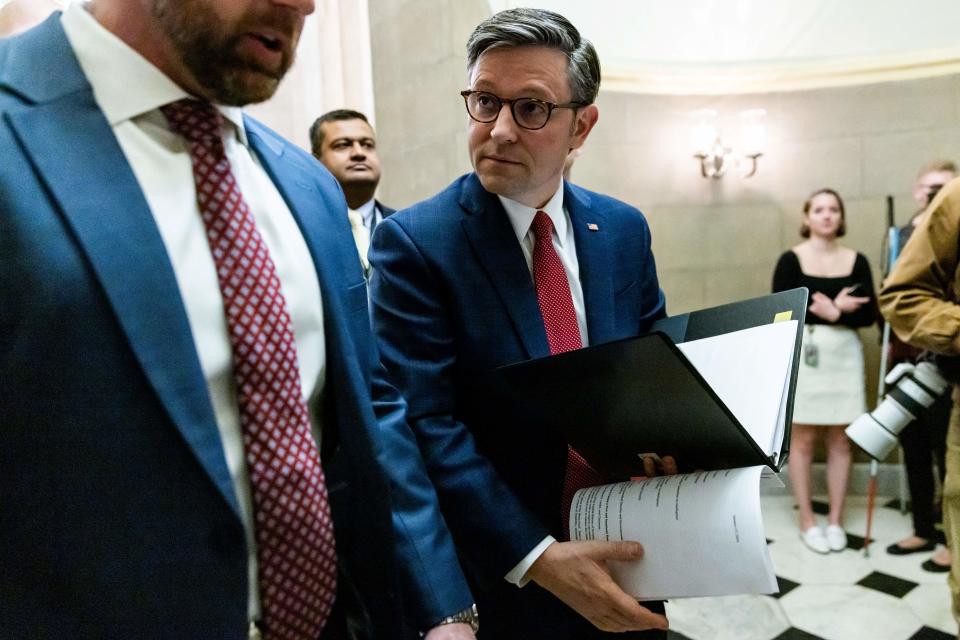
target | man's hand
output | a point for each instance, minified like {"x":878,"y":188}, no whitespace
{"x":657,"y":466}
{"x":576,"y":572}
{"x":822,"y":306}
{"x":455,"y":631}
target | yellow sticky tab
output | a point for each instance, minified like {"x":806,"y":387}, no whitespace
{"x":783,"y":316}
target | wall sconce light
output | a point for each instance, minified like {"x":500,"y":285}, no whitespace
{"x":715,"y":158}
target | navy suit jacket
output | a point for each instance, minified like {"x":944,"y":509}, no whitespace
{"x":385,"y":211}
{"x":453,"y":299}
{"x":118,"y":518}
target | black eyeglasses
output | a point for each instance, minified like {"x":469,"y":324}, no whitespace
{"x":529,"y":113}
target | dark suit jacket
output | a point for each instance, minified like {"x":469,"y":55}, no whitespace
{"x":118,"y":517}
{"x":453,"y":299}
{"x":385,"y":211}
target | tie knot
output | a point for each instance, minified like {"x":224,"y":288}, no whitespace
{"x":542,"y":226}
{"x":356,"y":220}
{"x":195,"y":120}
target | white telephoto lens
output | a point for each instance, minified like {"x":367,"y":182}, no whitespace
{"x":876,"y":432}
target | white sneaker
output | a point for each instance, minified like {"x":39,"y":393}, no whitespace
{"x":815,"y":540}
{"x":836,"y":538}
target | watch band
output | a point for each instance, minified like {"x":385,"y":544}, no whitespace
{"x":467,"y":616}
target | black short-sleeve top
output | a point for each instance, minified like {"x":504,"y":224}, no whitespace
{"x":788,"y":275}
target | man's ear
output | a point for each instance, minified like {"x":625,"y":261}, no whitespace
{"x":582,"y":125}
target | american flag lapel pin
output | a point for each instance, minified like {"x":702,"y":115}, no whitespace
{"x":592,"y":226}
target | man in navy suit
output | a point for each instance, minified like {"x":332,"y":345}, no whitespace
{"x":463,"y":284}
{"x":344,"y":142}
{"x":196,"y":438}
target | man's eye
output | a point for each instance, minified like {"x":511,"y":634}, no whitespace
{"x":532,"y":108}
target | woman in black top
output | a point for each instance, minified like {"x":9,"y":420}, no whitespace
{"x":830,"y":386}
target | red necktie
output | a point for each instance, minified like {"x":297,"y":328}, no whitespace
{"x":294,"y":530}
{"x":563,"y":334}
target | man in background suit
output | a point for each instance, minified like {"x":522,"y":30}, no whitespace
{"x":506,"y":264}
{"x":183,"y":319}
{"x":344,"y":142}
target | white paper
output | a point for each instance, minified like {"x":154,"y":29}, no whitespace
{"x":702,"y":533}
{"x":750,"y":371}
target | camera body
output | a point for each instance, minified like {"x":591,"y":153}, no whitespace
{"x":914,"y":388}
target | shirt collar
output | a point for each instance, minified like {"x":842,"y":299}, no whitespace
{"x":521,"y":216}
{"x":125,"y":84}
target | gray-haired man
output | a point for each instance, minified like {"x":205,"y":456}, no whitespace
{"x":463,"y":283}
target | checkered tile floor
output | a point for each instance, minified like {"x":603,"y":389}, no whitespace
{"x":840,"y":596}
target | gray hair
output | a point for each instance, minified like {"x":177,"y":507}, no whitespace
{"x":523,"y":27}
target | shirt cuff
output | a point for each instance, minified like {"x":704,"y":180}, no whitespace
{"x":518,"y":575}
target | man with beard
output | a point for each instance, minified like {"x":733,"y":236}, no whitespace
{"x":344,"y":142}
{"x":183,"y":319}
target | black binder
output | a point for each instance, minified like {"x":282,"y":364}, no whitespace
{"x":616,"y":400}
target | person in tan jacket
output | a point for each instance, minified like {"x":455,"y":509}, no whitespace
{"x":921,"y":301}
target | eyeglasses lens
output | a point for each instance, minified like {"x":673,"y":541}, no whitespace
{"x":529,"y":113}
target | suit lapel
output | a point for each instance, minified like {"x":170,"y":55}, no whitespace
{"x":80,"y":162}
{"x":47,"y":42}
{"x":593,"y":240}
{"x":385,"y":211}
{"x":297,"y":185}
{"x":315,"y":212}
{"x":495,"y":243}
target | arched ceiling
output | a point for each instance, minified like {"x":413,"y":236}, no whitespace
{"x":737,"y":46}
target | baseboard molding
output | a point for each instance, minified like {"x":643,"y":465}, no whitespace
{"x":888,"y":480}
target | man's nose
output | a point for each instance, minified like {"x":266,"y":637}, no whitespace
{"x":357,"y":151}
{"x":504,"y":127}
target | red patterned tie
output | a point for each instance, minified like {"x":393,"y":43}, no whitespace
{"x":294,"y":530}
{"x":563,"y":334}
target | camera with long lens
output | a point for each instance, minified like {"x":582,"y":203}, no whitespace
{"x":914,"y":388}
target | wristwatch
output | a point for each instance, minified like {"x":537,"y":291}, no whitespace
{"x":467,"y":616}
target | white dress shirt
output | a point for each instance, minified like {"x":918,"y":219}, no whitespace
{"x":521,"y":218}
{"x":130,"y":91}
{"x":370,"y":214}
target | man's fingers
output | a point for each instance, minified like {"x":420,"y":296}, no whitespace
{"x":576,"y":572}
{"x":629,"y":615}
{"x":456,"y":631}
{"x":669,"y":464}
{"x":619,"y":550}
{"x":655,"y":465}
{"x":653,"y":620}
{"x":639,"y":617}
{"x":649,"y":466}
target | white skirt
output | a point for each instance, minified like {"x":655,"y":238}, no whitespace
{"x":830,"y":386}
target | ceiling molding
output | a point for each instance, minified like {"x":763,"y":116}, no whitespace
{"x":729,"y":79}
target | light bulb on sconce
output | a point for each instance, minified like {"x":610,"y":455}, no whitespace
{"x":715,"y":158}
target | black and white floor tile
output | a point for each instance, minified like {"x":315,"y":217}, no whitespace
{"x":839,"y":596}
